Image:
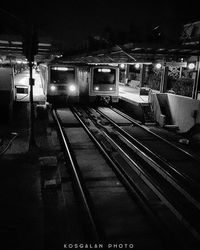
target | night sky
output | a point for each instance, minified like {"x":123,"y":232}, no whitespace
{"x":73,"y":21}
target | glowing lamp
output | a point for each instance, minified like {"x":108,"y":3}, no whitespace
{"x":158,"y":65}
{"x":110,"y":88}
{"x":104,"y":70}
{"x":96,"y":88}
{"x":72,"y":88}
{"x":191,"y":66}
{"x":53,"y":88}
{"x":122,"y":65}
{"x":137,"y":65}
{"x":62,"y":68}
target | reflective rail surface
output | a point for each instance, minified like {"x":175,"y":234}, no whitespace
{"x":94,"y":234}
{"x":178,"y":198}
{"x":120,"y":207}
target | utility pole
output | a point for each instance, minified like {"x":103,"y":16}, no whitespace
{"x":30,"y":48}
{"x":32,"y":142}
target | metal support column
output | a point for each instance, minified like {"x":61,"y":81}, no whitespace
{"x":32,"y":142}
{"x":163,"y":84}
{"x":196,"y":88}
{"x":142,"y":75}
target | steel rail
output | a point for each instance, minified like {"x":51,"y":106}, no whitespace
{"x":156,"y":135}
{"x":8,"y":144}
{"x":129,"y":183}
{"x":154,"y":164}
{"x":127,"y":180}
{"x":158,"y":191}
{"x":81,"y":189}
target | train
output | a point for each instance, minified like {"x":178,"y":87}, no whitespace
{"x":80,"y":83}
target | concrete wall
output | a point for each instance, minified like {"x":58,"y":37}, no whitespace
{"x":164,"y":107}
{"x":182,"y":110}
{"x":133,"y":109}
{"x":158,"y":116}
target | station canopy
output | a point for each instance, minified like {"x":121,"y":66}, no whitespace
{"x":131,"y":53}
{"x":11,"y":47}
{"x":127,"y":53}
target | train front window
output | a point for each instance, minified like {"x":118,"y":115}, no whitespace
{"x":62,"y":75}
{"x":104,"y":76}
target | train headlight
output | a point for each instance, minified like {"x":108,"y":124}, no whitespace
{"x":53,"y":88}
{"x":72,"y":88}
{"x":96,"y":88}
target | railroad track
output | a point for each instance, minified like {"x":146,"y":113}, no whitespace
{"x":114,"y":207}
{"x":116,"y":174}
{"x":177,"y":166}
{"x":176,"y":146}
{"x":177,"y":191}
{"x":6,"y":143}
{"x":91,"y":228}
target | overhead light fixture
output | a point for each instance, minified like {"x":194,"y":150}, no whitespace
{"x":158,"y":65}
{"x":137,"y":65}
{"x":72,"y":88}
{"x":191,"y":66}
{"x":53,"y":88}
{"x":122,"y":66}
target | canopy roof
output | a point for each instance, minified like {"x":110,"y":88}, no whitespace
{"x":11,"y":46}
{"x":132,"y":53}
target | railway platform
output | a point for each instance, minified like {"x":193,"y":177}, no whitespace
{"x":132,"y":95}
{"x":22,"y":89}
{"x":136,"y":103}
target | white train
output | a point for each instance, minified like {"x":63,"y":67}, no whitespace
{"x":79,"y":83}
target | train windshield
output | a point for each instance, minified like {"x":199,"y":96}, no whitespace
{"x":104,"y":76}
{"x":62,"y":75}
